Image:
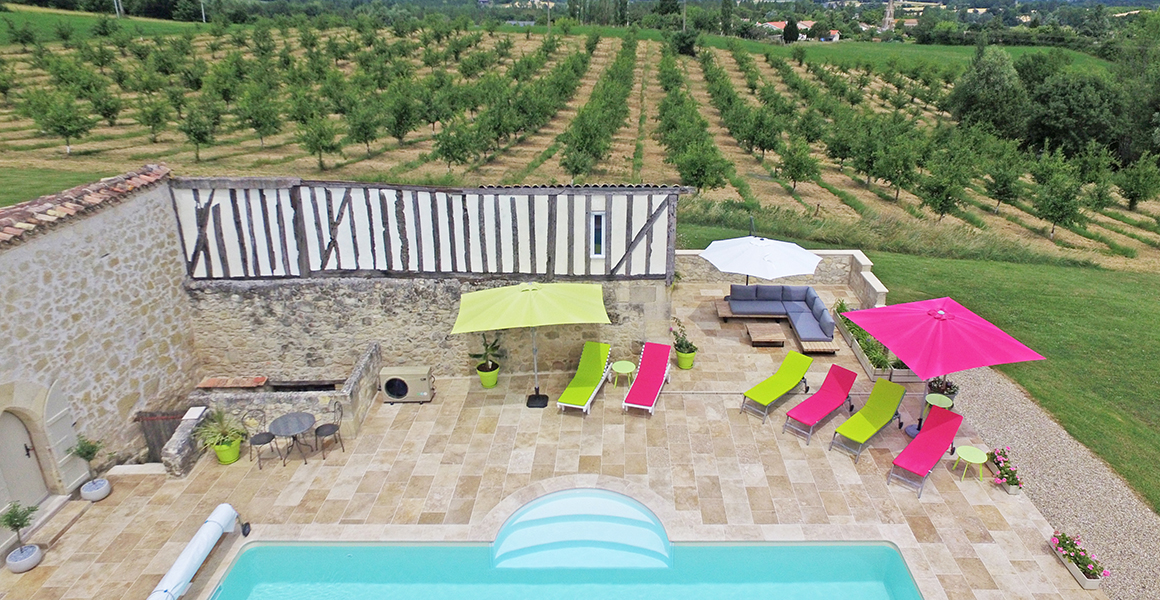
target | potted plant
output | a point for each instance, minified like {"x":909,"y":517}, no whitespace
{"x":1083,"y":565}
{"x":87,"y":450}
{"x":224,"y":434}
{"x":944,"y":386}
{"x":488,"y":369}
{"x":25,"y":556}
{"x":1006,"y":473}
{"x":686,"y":351}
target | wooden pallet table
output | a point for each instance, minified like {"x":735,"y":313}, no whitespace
{"x":765,"y":335}
{"x":819,"y":347}
{"x":725,"y":313}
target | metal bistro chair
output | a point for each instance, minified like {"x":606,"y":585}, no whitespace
{"x":262,"y":437}
{"x":330,"y":429}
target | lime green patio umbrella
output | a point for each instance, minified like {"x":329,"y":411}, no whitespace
{"x":531,"y":305}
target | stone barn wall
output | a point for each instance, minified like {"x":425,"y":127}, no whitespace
{"x":93,"y":306}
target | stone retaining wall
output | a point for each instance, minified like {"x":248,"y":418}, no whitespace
{"x":315,"y":328}
{"x":838,"y":267}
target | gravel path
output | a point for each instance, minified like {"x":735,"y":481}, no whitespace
{"x":1075,"y":490}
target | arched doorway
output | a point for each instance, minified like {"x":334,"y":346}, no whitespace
{"x":21,"y":478}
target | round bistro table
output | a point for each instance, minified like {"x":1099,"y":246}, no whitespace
{"x":622,"y":367}
{"x":292,"y":425}
{"x":973,"y":456}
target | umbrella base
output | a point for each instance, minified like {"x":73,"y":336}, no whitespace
{"x":537,"y":401}
{"x":911,"y":430}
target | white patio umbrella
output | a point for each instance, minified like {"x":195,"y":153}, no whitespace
{"x":760,"y":257}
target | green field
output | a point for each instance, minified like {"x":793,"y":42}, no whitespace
{"x":18,"y":185}
{"x":1093,"y":325}
{"x":44,"y":19}
{"x":851,"y":52}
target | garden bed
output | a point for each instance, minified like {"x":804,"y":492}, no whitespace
{"x":875,"y":359}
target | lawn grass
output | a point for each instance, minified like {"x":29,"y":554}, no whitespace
{"x":1097,"y":330}
{"x":44,"y":19}
{"x":19,"y":184}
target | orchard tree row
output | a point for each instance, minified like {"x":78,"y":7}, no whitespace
{"x":588,"y":139}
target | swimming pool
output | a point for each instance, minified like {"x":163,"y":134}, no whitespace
{"x":578,"y":544}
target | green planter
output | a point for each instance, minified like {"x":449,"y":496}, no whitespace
{"x":228,"y":454}
{"x":685,"y":359}
{"x":488,"y":379}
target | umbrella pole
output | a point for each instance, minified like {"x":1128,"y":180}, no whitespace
{"x":536,"y":400}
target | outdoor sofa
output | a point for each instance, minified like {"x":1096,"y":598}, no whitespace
{"x":801,"y":304}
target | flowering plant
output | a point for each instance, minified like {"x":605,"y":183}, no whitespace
{"x":681,"y":338}
{"x":942,"y":385}
{"x":1072,"y":550}
{"x":1008,"y":472}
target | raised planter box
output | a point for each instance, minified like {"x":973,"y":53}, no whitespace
{"x":1010,"y":489}
{"x":904,"y":376}
{"x":871,"y":371}
{"x":1080,"y":578}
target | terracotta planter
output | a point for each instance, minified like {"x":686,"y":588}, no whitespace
{"x":1080,"y":578}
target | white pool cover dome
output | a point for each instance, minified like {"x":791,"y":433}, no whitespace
{"x":583,"y":528}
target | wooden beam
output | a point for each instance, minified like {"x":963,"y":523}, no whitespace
{"x":401,"y":231}
{"x":671,"y":242}
{"x":498,"y":237}
{"x":220,"y":237}
{"x":436,"y":239}
{"x":639,"y":237}
{"x":588,"y":234}
{"x":571,"y":233}
{"x":483,"y":236}
{"x":418,"y":224}
{"x":550,"y":265}
{"x":201,"y":244}
{"x":387,"y":251}
{"x":180,"y":231}
{"x":318,"y":228}
{"x":532,"y":234}
{"x":350,"y":222}
{"x":466,"y":215}
{"x":282,"y":232}
{"x":515,"y":236}
{"x":239,"y":231}
{"x":628,"y":210}
{"x":648,"y":241}
{"x":265,"y":208}
{"x":452,"y":235}
{"x":299,"y":231}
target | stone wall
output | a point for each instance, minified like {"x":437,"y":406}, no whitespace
{"x":95,"y":307}
{"x":355,"y":395}
{"x":838,"y":267}
{"x":316,"y":328}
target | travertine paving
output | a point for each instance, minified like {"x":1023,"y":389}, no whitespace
{"x":458,"y":467}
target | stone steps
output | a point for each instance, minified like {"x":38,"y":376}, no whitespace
{"x":47,"y":535}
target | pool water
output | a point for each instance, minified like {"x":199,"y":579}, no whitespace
{"x":576,"y":544}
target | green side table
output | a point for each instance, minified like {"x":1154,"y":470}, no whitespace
{"x":973,"y":456}
{"x":622,"y":367}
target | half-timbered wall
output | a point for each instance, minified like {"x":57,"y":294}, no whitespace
{"x":266,"y":228}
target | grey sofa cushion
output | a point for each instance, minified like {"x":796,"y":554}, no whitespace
{"x":792,"y":307}
{"x":807,"y":328}
{"x":743,"y":292}
{"x":769,"y":292}
{"x":795,"y":292}
{"x":757,"y":307}
{"x":817,"y":306}
{"x":827,"y":324}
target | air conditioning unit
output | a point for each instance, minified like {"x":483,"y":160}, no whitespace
{"x":407,"y":384}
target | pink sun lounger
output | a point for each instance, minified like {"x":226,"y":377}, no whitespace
{"x":651,"y":376}
{"x":923,"y":452}
{"x":835,"y":392}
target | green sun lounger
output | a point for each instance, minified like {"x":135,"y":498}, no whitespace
{"x":789,"y":375}
{"x":590,"y":375}
{"x":881,"y":408}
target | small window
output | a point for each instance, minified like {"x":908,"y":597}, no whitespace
{"x":597,"y":235}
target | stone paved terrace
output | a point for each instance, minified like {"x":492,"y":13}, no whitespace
{"x":457,"y":468}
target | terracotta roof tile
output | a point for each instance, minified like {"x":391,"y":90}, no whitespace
{"x":50,"y":211}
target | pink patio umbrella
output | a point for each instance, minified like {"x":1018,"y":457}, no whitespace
{"x":940,"y":336}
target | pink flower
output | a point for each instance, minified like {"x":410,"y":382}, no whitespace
{"x":1055,"y":541}
{"x":1091,"y":566}
{"x":1106,"y":573}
